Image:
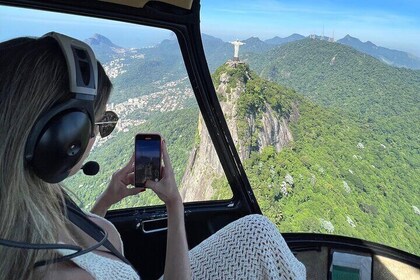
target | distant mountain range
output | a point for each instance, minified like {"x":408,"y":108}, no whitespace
{"x":278,"y":41}
{"x":336,"y":75}
{"x":218,"y":51}
{"x":391,"y":57}
{"x":135,"y":71}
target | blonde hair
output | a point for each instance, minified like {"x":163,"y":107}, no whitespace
{"x":33,"y":78}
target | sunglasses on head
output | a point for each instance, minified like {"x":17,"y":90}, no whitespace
{"x":107,"y":123}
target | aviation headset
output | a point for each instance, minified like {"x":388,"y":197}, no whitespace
{"x":60,"y":135}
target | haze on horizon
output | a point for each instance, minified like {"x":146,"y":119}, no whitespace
{"x":390,"y":24}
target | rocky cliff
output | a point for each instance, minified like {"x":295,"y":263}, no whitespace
{"x":265,"y":125}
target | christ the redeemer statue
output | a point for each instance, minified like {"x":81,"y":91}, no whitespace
{"x":236,"y":44}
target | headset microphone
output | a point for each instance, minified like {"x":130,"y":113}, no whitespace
{"x":90,"y":168}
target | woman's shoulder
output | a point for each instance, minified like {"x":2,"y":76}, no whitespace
{"x":113,"y":234}
{"x":70,"y":270}
{"x":64,"y":271}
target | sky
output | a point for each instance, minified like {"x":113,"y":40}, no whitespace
{"x":391,"y":24}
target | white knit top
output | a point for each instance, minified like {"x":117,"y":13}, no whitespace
{"x":248,"y":248}
{"x":102,"y":268}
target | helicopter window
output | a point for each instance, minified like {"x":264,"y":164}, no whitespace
{"x":323,"y":101}
{"x":152,"y":93}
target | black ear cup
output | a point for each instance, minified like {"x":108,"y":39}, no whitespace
{"x":60,"y":136}
{"x":60,"y":145}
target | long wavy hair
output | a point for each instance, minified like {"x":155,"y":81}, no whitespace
{"x":33,"y":77}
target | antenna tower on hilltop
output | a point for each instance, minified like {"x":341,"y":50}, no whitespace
{"x":332,"y":40}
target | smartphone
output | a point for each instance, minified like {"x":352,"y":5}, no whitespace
{"x":148,"y":158}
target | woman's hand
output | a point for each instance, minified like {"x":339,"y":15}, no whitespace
{"x":166,"y":188}
{"x":177,"y":262}
{"x":117,"y":189}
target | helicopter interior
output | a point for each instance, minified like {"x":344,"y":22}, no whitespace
{"x":142,"y":228}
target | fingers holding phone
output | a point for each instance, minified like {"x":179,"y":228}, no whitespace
{"x":118,"y":188}
{"x":166,"y":188}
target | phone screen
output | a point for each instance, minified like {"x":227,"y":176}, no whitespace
{"x":148,"y":158}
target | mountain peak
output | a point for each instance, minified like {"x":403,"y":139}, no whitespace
{"x":349,"y":38}
{"x":103,"y":48}
{"x":279,"y":41}
{"x":351,"y":41}
{"x":369,"y":43}
{"x":100,"y":37}
{"x":253,"y":39}
{"x":205,"y":36}
{"x":100,"y":40}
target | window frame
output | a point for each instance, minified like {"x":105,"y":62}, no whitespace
{"x":186,"y":26}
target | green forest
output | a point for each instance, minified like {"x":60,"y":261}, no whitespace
{"x":382,"y":98}
{"x":337,"y":176}
{"x":353,"y":167}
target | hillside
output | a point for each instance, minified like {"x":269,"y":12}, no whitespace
{"x":382,"y":98}
{"x":104,"y":49}
{"x":137,"y":72}
{"x":331,"y":176}
{"x":252,"y":132}
{"x":335,"y":75}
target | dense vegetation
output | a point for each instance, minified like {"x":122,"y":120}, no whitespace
{"x":353,"y":167}
{"x":382,"y":98}
{"x":337,"y":176}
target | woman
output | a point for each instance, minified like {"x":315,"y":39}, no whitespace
{"x":33,"y":79}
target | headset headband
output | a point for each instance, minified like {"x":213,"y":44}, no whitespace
{"x":61,"y":135}
{"x":81,"y":62}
